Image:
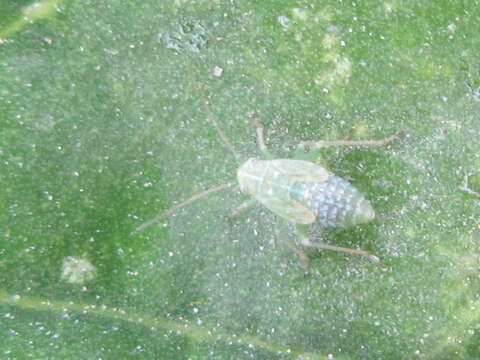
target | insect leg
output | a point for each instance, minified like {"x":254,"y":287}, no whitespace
{"x":302,"y":256}
{"x":260,"y":136}
{"x":180,"y":205}
{"x":305,"y":241}
{"x":322,"y":143}
{"x":213,"y":120}
{"x":211,"y":117}
{"x":242,"y":207}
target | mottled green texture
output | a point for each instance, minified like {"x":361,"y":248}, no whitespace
{"x":102,"y":127}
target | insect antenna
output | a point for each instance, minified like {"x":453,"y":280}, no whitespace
{"x":212,"y":118}
{"x":203,"y":194}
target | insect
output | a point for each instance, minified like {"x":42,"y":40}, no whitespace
{"x":302,"y":192}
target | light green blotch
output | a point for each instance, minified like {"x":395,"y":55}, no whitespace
{"x":339,"y":73}
{"x":182,"y":3}
{"x":434,"y":69}
{"x":459,"y":294}
{"x":300,"y":14}
{"x":39,"y":10}
{"x":390,"y":7}
{"x":31,"y":13}
{"x":361,"y":131}
{"x":330,"y":41}
{"x":324,"y":15}
{"x":410,"y":233}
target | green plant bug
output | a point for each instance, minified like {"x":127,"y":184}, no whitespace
{"x":299,"y":191}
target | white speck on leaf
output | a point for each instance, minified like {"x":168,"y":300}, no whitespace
{"x":217,"y":71}
{"x":284,"y":21}
{"x":77,"y":270}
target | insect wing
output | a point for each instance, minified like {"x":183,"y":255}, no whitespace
{"x":290,"y":210}
{"x":300,"y":170}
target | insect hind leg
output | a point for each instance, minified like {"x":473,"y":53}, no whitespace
{"x":375,"y":142}
{"x":305,"y":242}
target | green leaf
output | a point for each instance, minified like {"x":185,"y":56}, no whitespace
{"x":109,"y":115}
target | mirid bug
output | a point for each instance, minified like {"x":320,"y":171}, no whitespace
{"x":299,"y":191}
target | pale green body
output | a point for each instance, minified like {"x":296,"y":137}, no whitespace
{"x":304,"y":192}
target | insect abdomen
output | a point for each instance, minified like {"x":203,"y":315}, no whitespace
{"x":336,"y":202}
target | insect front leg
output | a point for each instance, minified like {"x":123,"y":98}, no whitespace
{"x":170,"y":211}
